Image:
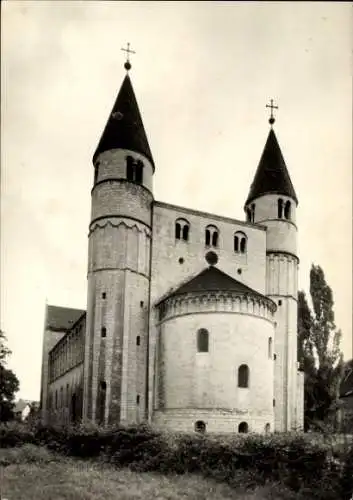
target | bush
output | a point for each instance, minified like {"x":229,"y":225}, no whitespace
{"x":294,"y":461}
{"x":28,"y":453}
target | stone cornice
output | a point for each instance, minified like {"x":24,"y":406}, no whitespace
{"x":216,"y":302}
{"x":127,"y":221}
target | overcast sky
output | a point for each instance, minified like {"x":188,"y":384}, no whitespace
{"x":203,"y":74}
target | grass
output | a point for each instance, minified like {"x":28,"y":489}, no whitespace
{"x":33,"y":472}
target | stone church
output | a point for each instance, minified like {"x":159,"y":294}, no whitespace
{"x":191,"y":320}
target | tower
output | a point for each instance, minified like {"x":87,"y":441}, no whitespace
{"x":116,"y":342}
{"x":272,"y":202}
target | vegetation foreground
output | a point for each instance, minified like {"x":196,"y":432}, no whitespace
{"x":140,"y":462}
{"x":41,"y":475}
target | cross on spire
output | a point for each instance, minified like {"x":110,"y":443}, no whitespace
{"x":128,"y":51}
{"x":272,"y":107}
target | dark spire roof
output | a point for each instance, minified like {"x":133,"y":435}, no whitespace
{"x":271,"y":175}
{"x":213,"y":279}
{"x":124,"y":128}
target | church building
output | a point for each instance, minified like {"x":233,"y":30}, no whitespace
{"x":191,"y":318}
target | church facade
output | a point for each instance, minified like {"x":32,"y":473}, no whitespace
{"x":191,"y":320}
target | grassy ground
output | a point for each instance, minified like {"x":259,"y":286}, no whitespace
{"x":32,"y":473}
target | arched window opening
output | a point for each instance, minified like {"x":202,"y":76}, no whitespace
{"x":243,"y":376}
{"x":287,"y":210}
{"x":202,"y":340}
{"x":211,"y":236}
{"x":182,"y":230}
{"x":138,"y":399}
{"x":56,"y":400}
{"x":270,"y":347}
{"x":240,"y":240}
{"x":280,"y":208}
{"x":200,"y":427}
{"x":243,"y":428}
{"x":130,"y":168}
{"x":139,"y":172}
{"x":61,"y":397}
{"x":267,"y":428}
{"x":103,"y":332}
{"x":248,"y":214}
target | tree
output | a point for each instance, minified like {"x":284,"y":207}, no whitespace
{"x":9,"y":383}
{"x":319,"y":351}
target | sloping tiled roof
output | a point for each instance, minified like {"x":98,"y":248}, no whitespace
{"x":21,"y":405}
{"x":213,"y":279}
{"x":271,"y":175}
{"x":124,"y":128}
{"x":62,"y":318}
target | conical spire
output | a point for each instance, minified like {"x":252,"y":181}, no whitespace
{"x":124,"y":128}
{"x":271,"y":176}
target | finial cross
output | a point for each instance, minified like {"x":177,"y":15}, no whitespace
{"x":272,"y":107}
{"x":128,"y":52}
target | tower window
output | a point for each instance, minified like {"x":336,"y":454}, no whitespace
{"x":270,"y":347}
{"x":103,"y":385}
{"x":253,"y":212}
{"x":139,"y":172}
{"x":279,"y":302}
{"x":280,"y":208}
{"x":130,"y":168}
{"x":287,"y":210}
{"x":182,"y":230}
{"x":267,"y":428}
{"x":134,"y":170}
{"x":240,"y":242}
{"x":138,"y":340}
{"x":103,"y":332}
{"x":104,"y":295}
{"x":243,"y":376}
{"x":202,"y":340}
{"x":248,"y":214}
{"x":138,"y":399}
{"x":211,"y":236}
{"x":273,"y":402}
{"x":243,"y":428}
{"x":141,"y":303}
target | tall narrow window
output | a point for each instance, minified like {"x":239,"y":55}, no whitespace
{"x":103,"y":332}
{"x":243,"y":427}
{"x":280,"y":208}
{"x":287,"y":210}
{"x":177,"y":230}
{"x":243,"y":376}
{"x":202,"y":340}
{"x":248,"y":215}
{"x":139,"y":172}
{"x":243,"y":245}
{"x":186,"y":232}
{"x":67,"y":395}
{"x":211,"y":236}
{"x":129,"y":168}
{"x":138,"y":399}
{"x":236,"y":243}
{"x":56,"y":400}
{"x":102,"y":399}
{"x":267,"y":428}
{"x":138,"y":340}
{"x":270,"y":347}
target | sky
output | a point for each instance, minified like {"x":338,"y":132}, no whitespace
{"x":203,"y":73}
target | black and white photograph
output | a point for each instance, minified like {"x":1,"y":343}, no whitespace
{"x":176,"y":250}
